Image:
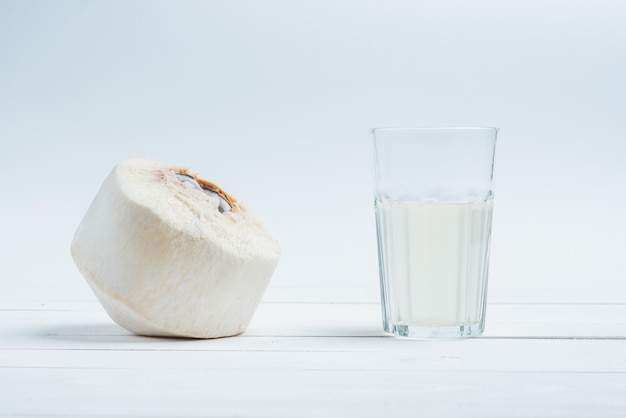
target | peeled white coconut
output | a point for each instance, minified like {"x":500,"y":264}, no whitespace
{"x":170,"y":254}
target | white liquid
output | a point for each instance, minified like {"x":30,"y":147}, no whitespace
{"x":433,"y":260}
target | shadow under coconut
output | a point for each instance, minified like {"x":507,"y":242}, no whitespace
{"x":107,"y":333}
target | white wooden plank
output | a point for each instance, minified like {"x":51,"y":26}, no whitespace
{"x":338,"y":319}
{"x":607,"y":356}
{"x":28,"y":328}
{"x":308,"y":393}
{"x":60,"y":355}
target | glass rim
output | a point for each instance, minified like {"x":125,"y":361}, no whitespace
{"x":435,"y":129}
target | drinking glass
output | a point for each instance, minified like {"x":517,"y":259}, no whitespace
{"x":433,"y":202}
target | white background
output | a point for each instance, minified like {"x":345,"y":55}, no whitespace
{"x":273,"y":101}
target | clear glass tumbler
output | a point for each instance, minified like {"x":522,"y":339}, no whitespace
{"x":434,"y":203}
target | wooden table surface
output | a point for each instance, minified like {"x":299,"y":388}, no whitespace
{"x":308,"y":353}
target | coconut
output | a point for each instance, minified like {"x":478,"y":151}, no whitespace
{"x":168,"y":253}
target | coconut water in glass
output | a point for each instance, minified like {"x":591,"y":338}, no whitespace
{"x":434,"y":204}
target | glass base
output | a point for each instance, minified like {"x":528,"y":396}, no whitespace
{"x":420,"y":331}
